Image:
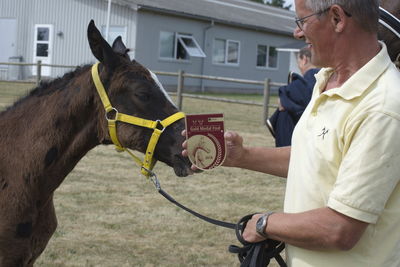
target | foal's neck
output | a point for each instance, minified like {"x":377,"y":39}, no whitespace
{"x":49,"y":131}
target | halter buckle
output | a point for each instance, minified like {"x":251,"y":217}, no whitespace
{"x":159,"y":124}
{"x":112,"y":110}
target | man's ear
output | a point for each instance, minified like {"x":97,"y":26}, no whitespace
{"x":338,"y":18}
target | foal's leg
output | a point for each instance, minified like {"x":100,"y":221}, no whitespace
{"x":46,"y":225}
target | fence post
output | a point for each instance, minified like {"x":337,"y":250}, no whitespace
{"x":38,"y":72}
{"x":266,"y":99}
{"x":180,"y":88}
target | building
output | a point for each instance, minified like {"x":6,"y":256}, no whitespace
{"x":229,"y":38}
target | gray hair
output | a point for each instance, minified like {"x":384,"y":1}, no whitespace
{"x":364,"y":12}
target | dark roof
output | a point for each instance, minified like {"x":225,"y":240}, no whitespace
{"x":241,"y":13}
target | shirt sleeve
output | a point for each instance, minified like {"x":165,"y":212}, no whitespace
{"x":370,"y":169}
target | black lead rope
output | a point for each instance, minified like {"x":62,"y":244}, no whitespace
{"x":251,"y":254}
{"x":198,"y":215}
{"x":256,"y":254}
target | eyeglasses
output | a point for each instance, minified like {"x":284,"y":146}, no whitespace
{"x":301,"y":21}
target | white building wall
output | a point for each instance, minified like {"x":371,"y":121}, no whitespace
{"x":69,"y":19}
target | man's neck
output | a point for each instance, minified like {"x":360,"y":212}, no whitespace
{"x":350,"y":58}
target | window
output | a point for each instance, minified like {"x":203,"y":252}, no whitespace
{"x":226,"y":52}
{"x":267,"y":56}
{"x":179,"y":46}
{"x":42,"y":47}
{"x":113,"y":33}
{"x":42,"y":41}
{"x":167,"y":45}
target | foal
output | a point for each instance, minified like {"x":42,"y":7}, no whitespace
{"x":45,"y":134}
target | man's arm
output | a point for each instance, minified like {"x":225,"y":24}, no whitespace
{"x":316,"y":229}
{"x":273,"y":161}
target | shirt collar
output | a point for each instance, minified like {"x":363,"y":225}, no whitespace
{"x":359,"y":81}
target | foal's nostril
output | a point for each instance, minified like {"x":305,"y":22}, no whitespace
{"x":181,"y":166}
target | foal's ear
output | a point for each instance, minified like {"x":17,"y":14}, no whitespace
{"x":100,"y":48}
{"x":120,"y":48}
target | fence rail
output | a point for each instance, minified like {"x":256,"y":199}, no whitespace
{"x":181,"y":75}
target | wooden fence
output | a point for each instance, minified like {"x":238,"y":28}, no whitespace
{"x":267,"y":84}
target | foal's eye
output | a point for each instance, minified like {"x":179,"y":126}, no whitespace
{"x":143,"y":96}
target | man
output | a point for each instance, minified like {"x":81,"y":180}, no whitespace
{"x":293,"y":99}
{"x":342,"y":202}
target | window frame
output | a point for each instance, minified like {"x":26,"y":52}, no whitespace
{"x":179,"y":42}
{"x":47,"y":59}
{"x":267,"y":57}
{"x":226,"y":54}
{"x":180,"y":36}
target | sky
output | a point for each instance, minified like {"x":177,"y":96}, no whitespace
{"x":288,"y":2}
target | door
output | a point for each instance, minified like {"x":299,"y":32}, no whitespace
{"x":8,"y":43}
{"x":42,"y":47}
{"x":8,"y":40}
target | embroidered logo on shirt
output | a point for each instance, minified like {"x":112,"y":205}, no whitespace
{"x":324,"y":132}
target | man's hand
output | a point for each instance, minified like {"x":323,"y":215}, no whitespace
{"x":250,"y":234}
{"x":234,"y":149}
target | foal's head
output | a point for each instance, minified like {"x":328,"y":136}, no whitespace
{"x":134,"y":90}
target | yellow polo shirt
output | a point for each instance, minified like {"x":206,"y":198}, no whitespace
{"x":346,"y":155}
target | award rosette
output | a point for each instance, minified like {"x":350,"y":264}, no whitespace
{"x":205,"y":140}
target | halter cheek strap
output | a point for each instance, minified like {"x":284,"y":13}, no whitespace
{"x":158,"y":126}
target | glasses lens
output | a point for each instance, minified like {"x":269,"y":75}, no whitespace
{"x":299,"y":24}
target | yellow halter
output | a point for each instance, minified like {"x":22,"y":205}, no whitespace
{"x":148,"y":162}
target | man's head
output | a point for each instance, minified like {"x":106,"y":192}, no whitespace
{"x":364,"y":12}
{"x":330,"y":26}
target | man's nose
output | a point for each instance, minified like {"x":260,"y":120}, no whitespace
{"x":298,"y":33}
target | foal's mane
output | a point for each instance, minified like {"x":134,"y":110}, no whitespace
{"x":51,"y":86}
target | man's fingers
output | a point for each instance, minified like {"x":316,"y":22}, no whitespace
{"x":233,"y":138}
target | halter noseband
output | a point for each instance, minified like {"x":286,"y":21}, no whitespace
{"x":158,"y":126}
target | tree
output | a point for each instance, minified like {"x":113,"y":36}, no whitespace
{"x":258,"y":1}
{"x":277,"y":3}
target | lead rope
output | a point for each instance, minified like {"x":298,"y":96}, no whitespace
{"x":256,"y":254}
{"x":251,"y":254}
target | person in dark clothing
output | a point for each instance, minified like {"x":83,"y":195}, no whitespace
{"x":293,"y":99}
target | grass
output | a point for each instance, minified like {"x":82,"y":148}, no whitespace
{"x":109,"y":215}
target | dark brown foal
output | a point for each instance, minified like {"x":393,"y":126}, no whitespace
{"x":45,"y":134}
